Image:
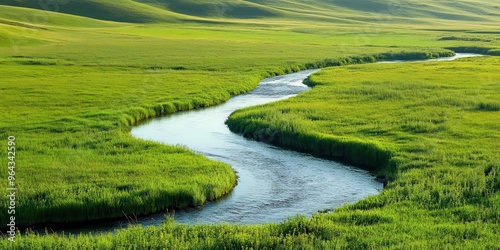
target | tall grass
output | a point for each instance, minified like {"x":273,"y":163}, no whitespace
{"x":71,"y":88}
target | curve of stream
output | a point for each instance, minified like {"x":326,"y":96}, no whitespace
{"x":273,"y":183}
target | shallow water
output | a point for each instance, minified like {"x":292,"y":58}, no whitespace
{"x":441,"y":59}
{"x":273,"y":183}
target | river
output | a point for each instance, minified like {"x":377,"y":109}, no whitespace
{"x":273,"y":183}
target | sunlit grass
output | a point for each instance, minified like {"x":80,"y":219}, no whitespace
{"x":431,"y":129}
{"x":71,"y":87}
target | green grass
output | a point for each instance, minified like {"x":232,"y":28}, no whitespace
{"x":432,"y":129}
{"x":37,"y":19}
{"x":94,"y":98}
{"x":216,"y":9}
{"x":76,"y":160}
{"x":119,"y":11}
{"x":72,"y":86}
{"x":95,"y":92}
{"x":413,"y":109}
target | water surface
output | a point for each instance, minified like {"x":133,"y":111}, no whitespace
{"x":273,"y":183}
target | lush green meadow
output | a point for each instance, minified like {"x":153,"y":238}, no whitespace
{"x":73,"y":83}
{"x":440,"y":127}
{"x":431,"y":128}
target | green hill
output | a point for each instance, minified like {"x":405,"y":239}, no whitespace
{"x":34,"y":18}
{"x":217,"y":9}
{"x":144,"y":11}
{"x":115,"y":10}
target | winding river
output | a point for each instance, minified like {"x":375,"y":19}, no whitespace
{"x":273,"y":183}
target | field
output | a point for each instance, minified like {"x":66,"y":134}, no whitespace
{"x":74,"y":81}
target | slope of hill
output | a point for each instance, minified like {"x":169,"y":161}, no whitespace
{"x":144,"y":11}
{"x":35,"y":18}
{"x":115,"y":10}
{"x":24,"y":26}
{"x":217,"y":9}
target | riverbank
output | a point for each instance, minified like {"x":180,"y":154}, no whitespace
{"x":81,"y":190}
{"x":415,"y":126}
{"x":71,"y":87}
{"x":370,"y":155}
{"x":273,"y":184}
{"x":445,"y":194}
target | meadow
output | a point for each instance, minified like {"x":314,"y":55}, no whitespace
{"x":433,"y":136}
{"x":443,"y":192}
{"x":73,"y":85}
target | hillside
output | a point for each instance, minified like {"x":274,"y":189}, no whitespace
{"x":381,"y":11}
{"x":116,"y":10}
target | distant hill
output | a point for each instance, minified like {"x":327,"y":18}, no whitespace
{"x":221,"y":8}
{"x":145,"y":11}
{"x":111,"y":10}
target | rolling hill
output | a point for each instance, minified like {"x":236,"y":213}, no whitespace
{"x":119,"y":11}
{"x":146,"y":11}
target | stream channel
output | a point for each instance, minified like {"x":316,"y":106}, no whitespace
{"x":273,"y":183}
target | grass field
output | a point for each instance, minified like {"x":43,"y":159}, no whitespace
{"x":420,"y":132}
{"x":75,"y":80}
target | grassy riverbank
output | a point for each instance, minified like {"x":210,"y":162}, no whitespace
{"x":444,"y":192}
{"x":389,"y":112}
{"x":72,"y":93}
{"x":419,"y":119}
{"x":70,"y":150}
{"x":73,"y":85}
